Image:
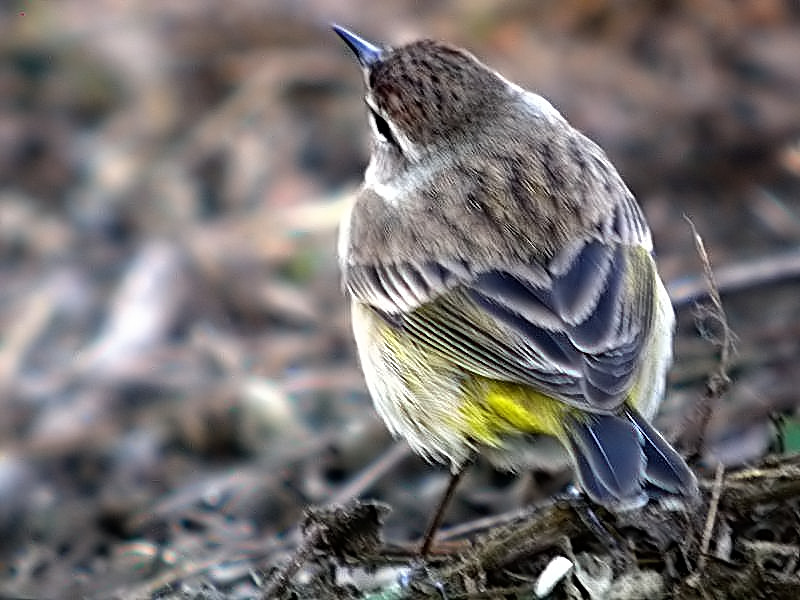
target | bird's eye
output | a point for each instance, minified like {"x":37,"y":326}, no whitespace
{"x":383,"y":127}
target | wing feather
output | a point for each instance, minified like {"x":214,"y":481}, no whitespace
{"x":574,"y":328}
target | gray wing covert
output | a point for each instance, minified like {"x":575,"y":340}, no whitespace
{"x":574,"y":330}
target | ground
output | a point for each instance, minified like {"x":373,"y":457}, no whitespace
{"x":177,"y":376}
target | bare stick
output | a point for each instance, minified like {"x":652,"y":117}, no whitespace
{"x":377,"y":469}
{"x":711,"y":518}
{"x":744,"y":275}
{"x":718,"y":381}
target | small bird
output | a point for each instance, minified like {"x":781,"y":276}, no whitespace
{"x":503,"y":286}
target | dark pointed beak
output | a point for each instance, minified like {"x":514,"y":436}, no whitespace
{"x":366,"y":52}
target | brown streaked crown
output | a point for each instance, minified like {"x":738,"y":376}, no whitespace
{"x":428,"y":89}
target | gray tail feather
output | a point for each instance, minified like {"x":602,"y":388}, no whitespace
{"x":619,"y":458}
{"x":666,"y":469}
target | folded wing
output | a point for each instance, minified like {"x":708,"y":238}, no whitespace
{"x":573,"y":328}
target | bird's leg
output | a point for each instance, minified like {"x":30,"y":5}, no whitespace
{"x":438,"y":516}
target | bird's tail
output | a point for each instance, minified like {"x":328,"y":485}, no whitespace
{"x":620,"y":460}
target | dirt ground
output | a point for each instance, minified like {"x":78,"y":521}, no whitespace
{"x":178,"y":382}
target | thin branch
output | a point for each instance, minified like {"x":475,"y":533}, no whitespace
{"x":367,"y":477}
{"x":718,"y":381}
{"x":711,"y":519}
{"x":735,"y":277}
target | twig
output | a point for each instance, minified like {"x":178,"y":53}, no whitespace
{"x":475,"y":526}
{"x":543,"y":527}
{"x":374,"y":471}
{"x":718,"y":381}
{"x":726,"y":343}
{"x":738,"y":276}
{"x":711,"y":518}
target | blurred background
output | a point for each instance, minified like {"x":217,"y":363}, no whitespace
{"x":177,"y":376}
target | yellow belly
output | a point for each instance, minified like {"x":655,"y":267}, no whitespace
{"x":492,"y":409}
{"x":444,"y":411}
